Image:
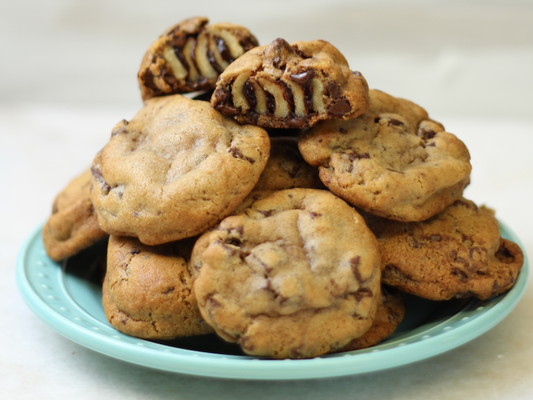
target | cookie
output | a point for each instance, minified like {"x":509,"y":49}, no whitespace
{"x":392,"y":161}
{"x":286,"y":168}
{"x":390,"y":313}
{"x":73,"y":225}
{"x":176,"y":169}
{"x":148,"y":290}
{"x":295,"y":276}
{"x":457,"y":253}
{"x":190,"y":56}
{"x":284,"y":85}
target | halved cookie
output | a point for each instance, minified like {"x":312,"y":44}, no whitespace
{"x":190,"y":56}
{"x":284,"y":85}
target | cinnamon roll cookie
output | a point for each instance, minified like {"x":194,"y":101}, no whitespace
{"x":295,"y":276}
{"x":284,"y":85}
{"x":457,"y":253}
{"x":176,"y":169}
{"x":190,"y":56}
{"x":392,"y":161}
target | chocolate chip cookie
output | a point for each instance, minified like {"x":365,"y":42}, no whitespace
{"x":295,"y":276}
{"x":176,"y":169}
{"x":391,"y":310}
{"x":148,"y":290}
{"x":457,"y":253}
{"x":284,"y":85}
{"x":73,"y":225}
{"x":286,"y":168}
{"x":392,"y":161}
{"x":190,"y":56}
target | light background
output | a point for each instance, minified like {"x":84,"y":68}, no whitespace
{"x":68,"y":74}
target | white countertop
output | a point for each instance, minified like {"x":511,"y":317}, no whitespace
{"x":56,"y":114}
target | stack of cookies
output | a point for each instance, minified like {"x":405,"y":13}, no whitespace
{"x":281,"y":204}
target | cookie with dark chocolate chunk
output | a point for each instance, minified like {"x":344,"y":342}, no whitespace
{"x":73,"y":225}
{"x":392,"y":161}
{"x":457,"y":253}
{"x":296,"y":275}
{"x":148,"y":290}
{"x":190,"y":56}
{"x":176,"y":169}
{"x":284,"y":85}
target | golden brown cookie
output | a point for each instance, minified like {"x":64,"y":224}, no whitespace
{"x":176,"y":169}
{"x":391,"y":310}
{"x":392,"y":161}
{"x":286,"y":168}
{"x":148,"y":290}
{"x":457,"y":253}
{"x":190,"y":56}
{"x":295,"y":276}
{"x":73,"y":225}
{"x":284,"y":85}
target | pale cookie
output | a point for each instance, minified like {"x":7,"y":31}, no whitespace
{"x":148,"y":290}
{"x":73,"y":225}
{"x":457,"y":253}
{"x":176,"y":169}
{"x":295,"y":276}
{"x":286,"y":168}
{"x":392,"y":161}
{"x":284,"y":85}
{"x":190,"y":56}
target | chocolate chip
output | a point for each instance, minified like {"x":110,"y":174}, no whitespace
{"x":303,"y":77}
{"x":354,"y":264}
{"x":362,"y":293}
{"x":395,"y":122}
{"x":237,"y":153}
{"x":266,"y":213}
{"x":249,"y":94}
{"x":460,"y":274}
{"x":168,"y":291}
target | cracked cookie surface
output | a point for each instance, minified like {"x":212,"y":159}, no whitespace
{"x":296,"y":275}
{"x":73,"y":225}
{"x":457,"y":253}
{"x":392,"y":161}
{"x":176,"y":169}
{"x":147,"y":290}
{"x":190,"y":56}
{"x":284,"y":85}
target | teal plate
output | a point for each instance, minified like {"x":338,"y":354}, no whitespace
{"x":68,"y":298}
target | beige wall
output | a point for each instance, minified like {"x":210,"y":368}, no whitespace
{"x":465,"y":58}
